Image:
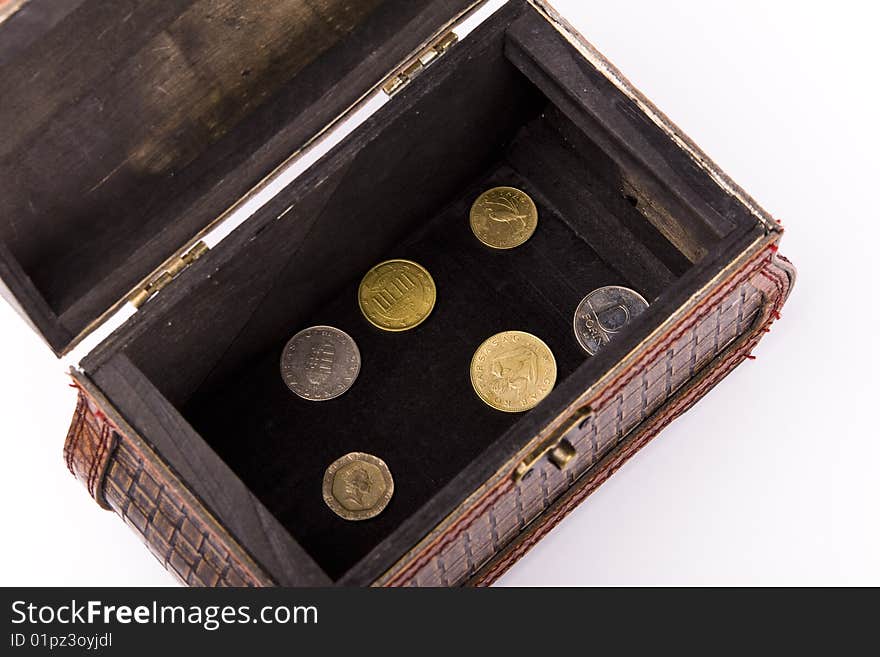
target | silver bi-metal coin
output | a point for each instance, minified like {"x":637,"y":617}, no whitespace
{"x":320,"y":363}
{"x":603,"y":313}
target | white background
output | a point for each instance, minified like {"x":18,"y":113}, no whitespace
{"x":770,"y":480}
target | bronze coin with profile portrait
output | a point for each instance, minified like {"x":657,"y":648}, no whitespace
{"x":358,"y":486}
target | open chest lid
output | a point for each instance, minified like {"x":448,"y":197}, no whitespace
{"x":127,"y":129}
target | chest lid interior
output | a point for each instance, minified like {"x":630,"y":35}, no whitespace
{"x":127,"y":128}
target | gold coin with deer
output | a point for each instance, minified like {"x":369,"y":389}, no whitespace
{"x":513,"y":371}
{"x":397,"y":295}
{"x":504,"y":217}
{"x":358,"y":486}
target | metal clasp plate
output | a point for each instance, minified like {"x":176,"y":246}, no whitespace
{"x":559,"y":451}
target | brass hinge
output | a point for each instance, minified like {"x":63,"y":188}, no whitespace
{"x":559,"y":451}
{"x":427,"y":57}
{"x":146,"y":292}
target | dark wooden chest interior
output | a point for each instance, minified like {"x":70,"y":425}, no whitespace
{"x":103,"y":193}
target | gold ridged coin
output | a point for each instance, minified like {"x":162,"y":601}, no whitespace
{"x":397,"y":295}
{"x":513,"y":371}
{"x":504,"y":217}
{"x":358,"y":486}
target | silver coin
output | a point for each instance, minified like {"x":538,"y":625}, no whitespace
{"x":320,"y":363}
{"x":603,"y":313}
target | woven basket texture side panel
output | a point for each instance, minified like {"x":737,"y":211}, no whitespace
{"x":153,"y":503}
{"x":176,"y":536}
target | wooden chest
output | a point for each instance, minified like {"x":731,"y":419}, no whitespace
{"x":231,"y":169}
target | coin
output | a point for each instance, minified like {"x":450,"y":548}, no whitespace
{"x":397,"y":295}
{"x":503,"y":217}
{"x":320,"y":363}
{"x":358,"y":486}
{"x":603,"y":313}
{"x":513,"y":371}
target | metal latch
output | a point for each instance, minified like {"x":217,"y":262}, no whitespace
{"x":427,"y":57}
{"x":142,"y":295}
{"x":558,"y":451}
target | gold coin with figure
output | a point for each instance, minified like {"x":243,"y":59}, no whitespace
{"x":513,"y":371}
{"x":397,"y":295}
{"x":503,"y":217}
{"x":358,"y":486}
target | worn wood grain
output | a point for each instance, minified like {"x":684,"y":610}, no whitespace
{"x":168,"y":118}
{"x":697,"y":211}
